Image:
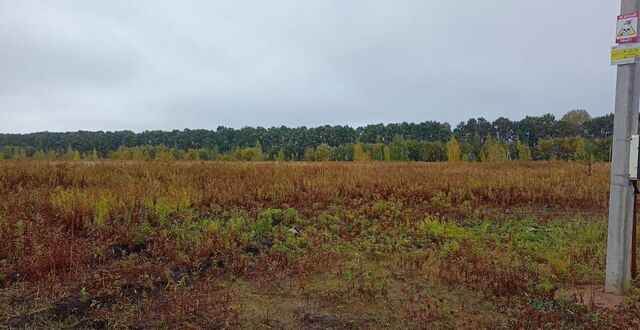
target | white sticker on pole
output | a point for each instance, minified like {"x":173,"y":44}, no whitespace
{"x":627,"y":30}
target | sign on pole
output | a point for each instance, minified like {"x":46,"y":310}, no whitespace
{"x":627,"y":50}
{"x":627,"y":29}
{"x":625,"y":54}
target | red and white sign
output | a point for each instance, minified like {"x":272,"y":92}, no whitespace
{"x":627,"y":30}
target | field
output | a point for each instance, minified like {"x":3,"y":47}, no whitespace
{"x":303,"y":245}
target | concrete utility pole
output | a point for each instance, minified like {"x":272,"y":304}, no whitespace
{"x":621,"y":200}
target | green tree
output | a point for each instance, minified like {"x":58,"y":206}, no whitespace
{"x":138,"y":154}
{"x":493,"y":151}
{"x":240,"y":154}
{"x":545,"y":150}
{"x":121,"y":154}
{"x":39,"y":155}
{"x":577,"y":117}
{"x":203,"y":154}
{"x":386,"y":153}
{"x":433,"y":152}
{"x":585,"y":153}
{"x":19,"y":153}
{"x":323,"y":153}
{"x":257,"y":154}
{"x":414,"y":150}
{"x":524,"y":153}
{"x":164,"y":154}
{"x":192,"y":154}
{"x":398,"y":150}
{"x":343,"y":153}
{"x":310,"y":155}
{"x":93,"y":155}
{"x":72,"y":154}
{"x":375,"y":151}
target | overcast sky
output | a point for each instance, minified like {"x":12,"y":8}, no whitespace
{"x":143,"y":65}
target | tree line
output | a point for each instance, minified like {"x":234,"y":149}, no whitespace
{"x":574,"y":136}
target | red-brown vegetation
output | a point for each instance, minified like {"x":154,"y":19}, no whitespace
{"x":289,"y":245}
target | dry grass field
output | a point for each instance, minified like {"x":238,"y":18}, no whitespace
{"x":190,"y":245}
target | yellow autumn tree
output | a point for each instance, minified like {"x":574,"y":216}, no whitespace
{"x":454,"y":154}
{"x":359,"y":154}
{"x":258,"y":154}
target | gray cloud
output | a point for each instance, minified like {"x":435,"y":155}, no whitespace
{"x":111,"y":65}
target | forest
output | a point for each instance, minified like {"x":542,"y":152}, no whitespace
{"x":577,"y":135}
{"x":103,"y":230}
